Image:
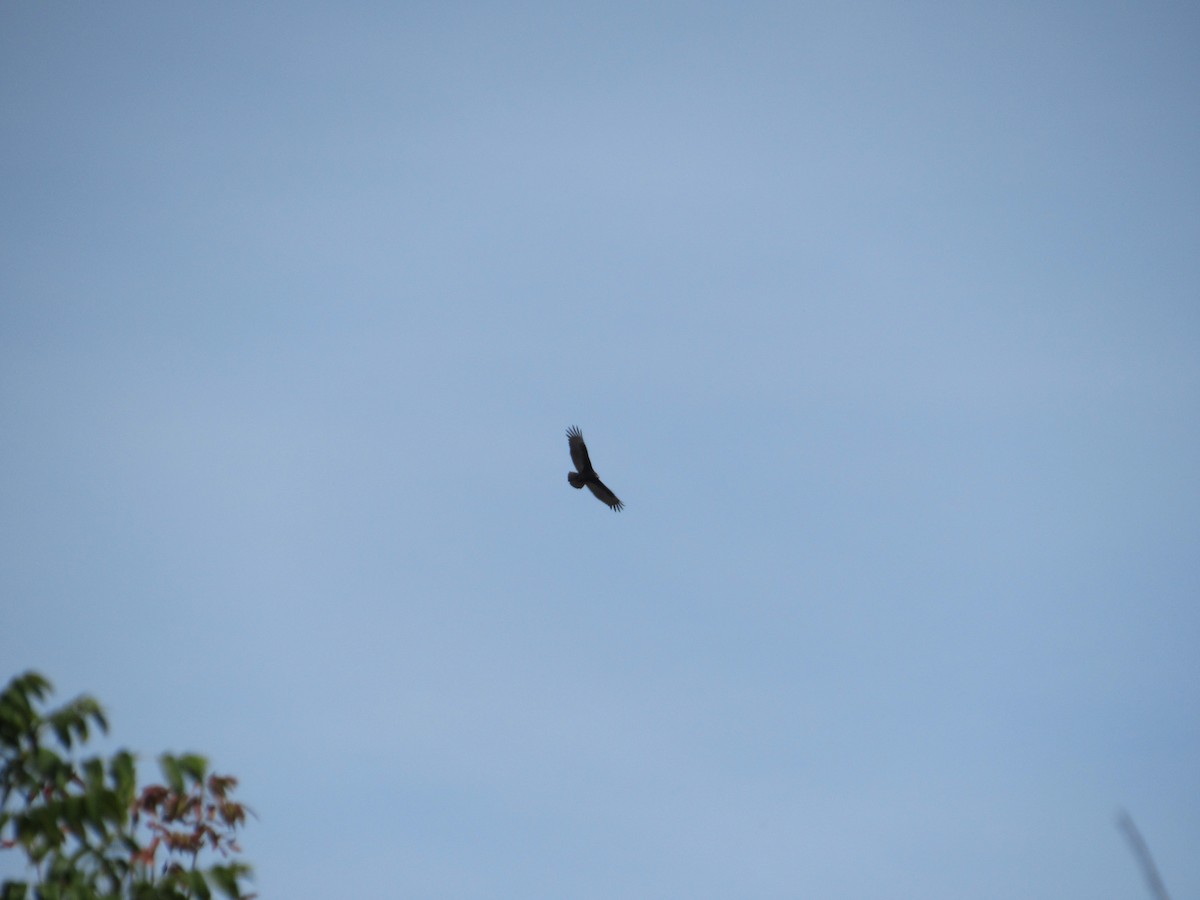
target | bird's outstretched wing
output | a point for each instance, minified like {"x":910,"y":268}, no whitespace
{"x":579,"y":454}
{"x":606,"y":496}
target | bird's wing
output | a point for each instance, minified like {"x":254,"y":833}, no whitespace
{"x":606,"y":496}
{"x":579,"y":454}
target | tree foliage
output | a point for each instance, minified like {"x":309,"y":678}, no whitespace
{"x":85,"y":828}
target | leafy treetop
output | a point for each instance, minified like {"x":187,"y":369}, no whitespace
{"x":86,"y":830}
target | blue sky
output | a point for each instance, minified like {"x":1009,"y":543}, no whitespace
{"x":881,"y":318}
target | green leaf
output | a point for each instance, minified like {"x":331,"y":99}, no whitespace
{"x":31,"y":684}
{"x":195,"y":880}
{"x":226,"y":879}
{"x":195,"y":766}
{"x":171,"y":772}
{"x":17,"y":717}
{"x":62,"y":731}
{"x":124,"y":775}
{"x":93,"y":773}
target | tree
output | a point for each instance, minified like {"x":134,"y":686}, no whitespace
{"x":85,"y":828}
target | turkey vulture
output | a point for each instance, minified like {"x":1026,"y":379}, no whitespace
{"x":585,"y":474}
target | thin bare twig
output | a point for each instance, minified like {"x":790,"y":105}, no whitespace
{"x":1142,"y":853}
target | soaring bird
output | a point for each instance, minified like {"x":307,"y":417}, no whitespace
{"x":585,"y":474}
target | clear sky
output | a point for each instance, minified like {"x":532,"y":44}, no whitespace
{"x":881,"y":318}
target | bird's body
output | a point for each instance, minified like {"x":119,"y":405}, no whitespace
{"x":584,"y":475}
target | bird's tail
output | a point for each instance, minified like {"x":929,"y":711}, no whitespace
{"x":576,"y":480}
